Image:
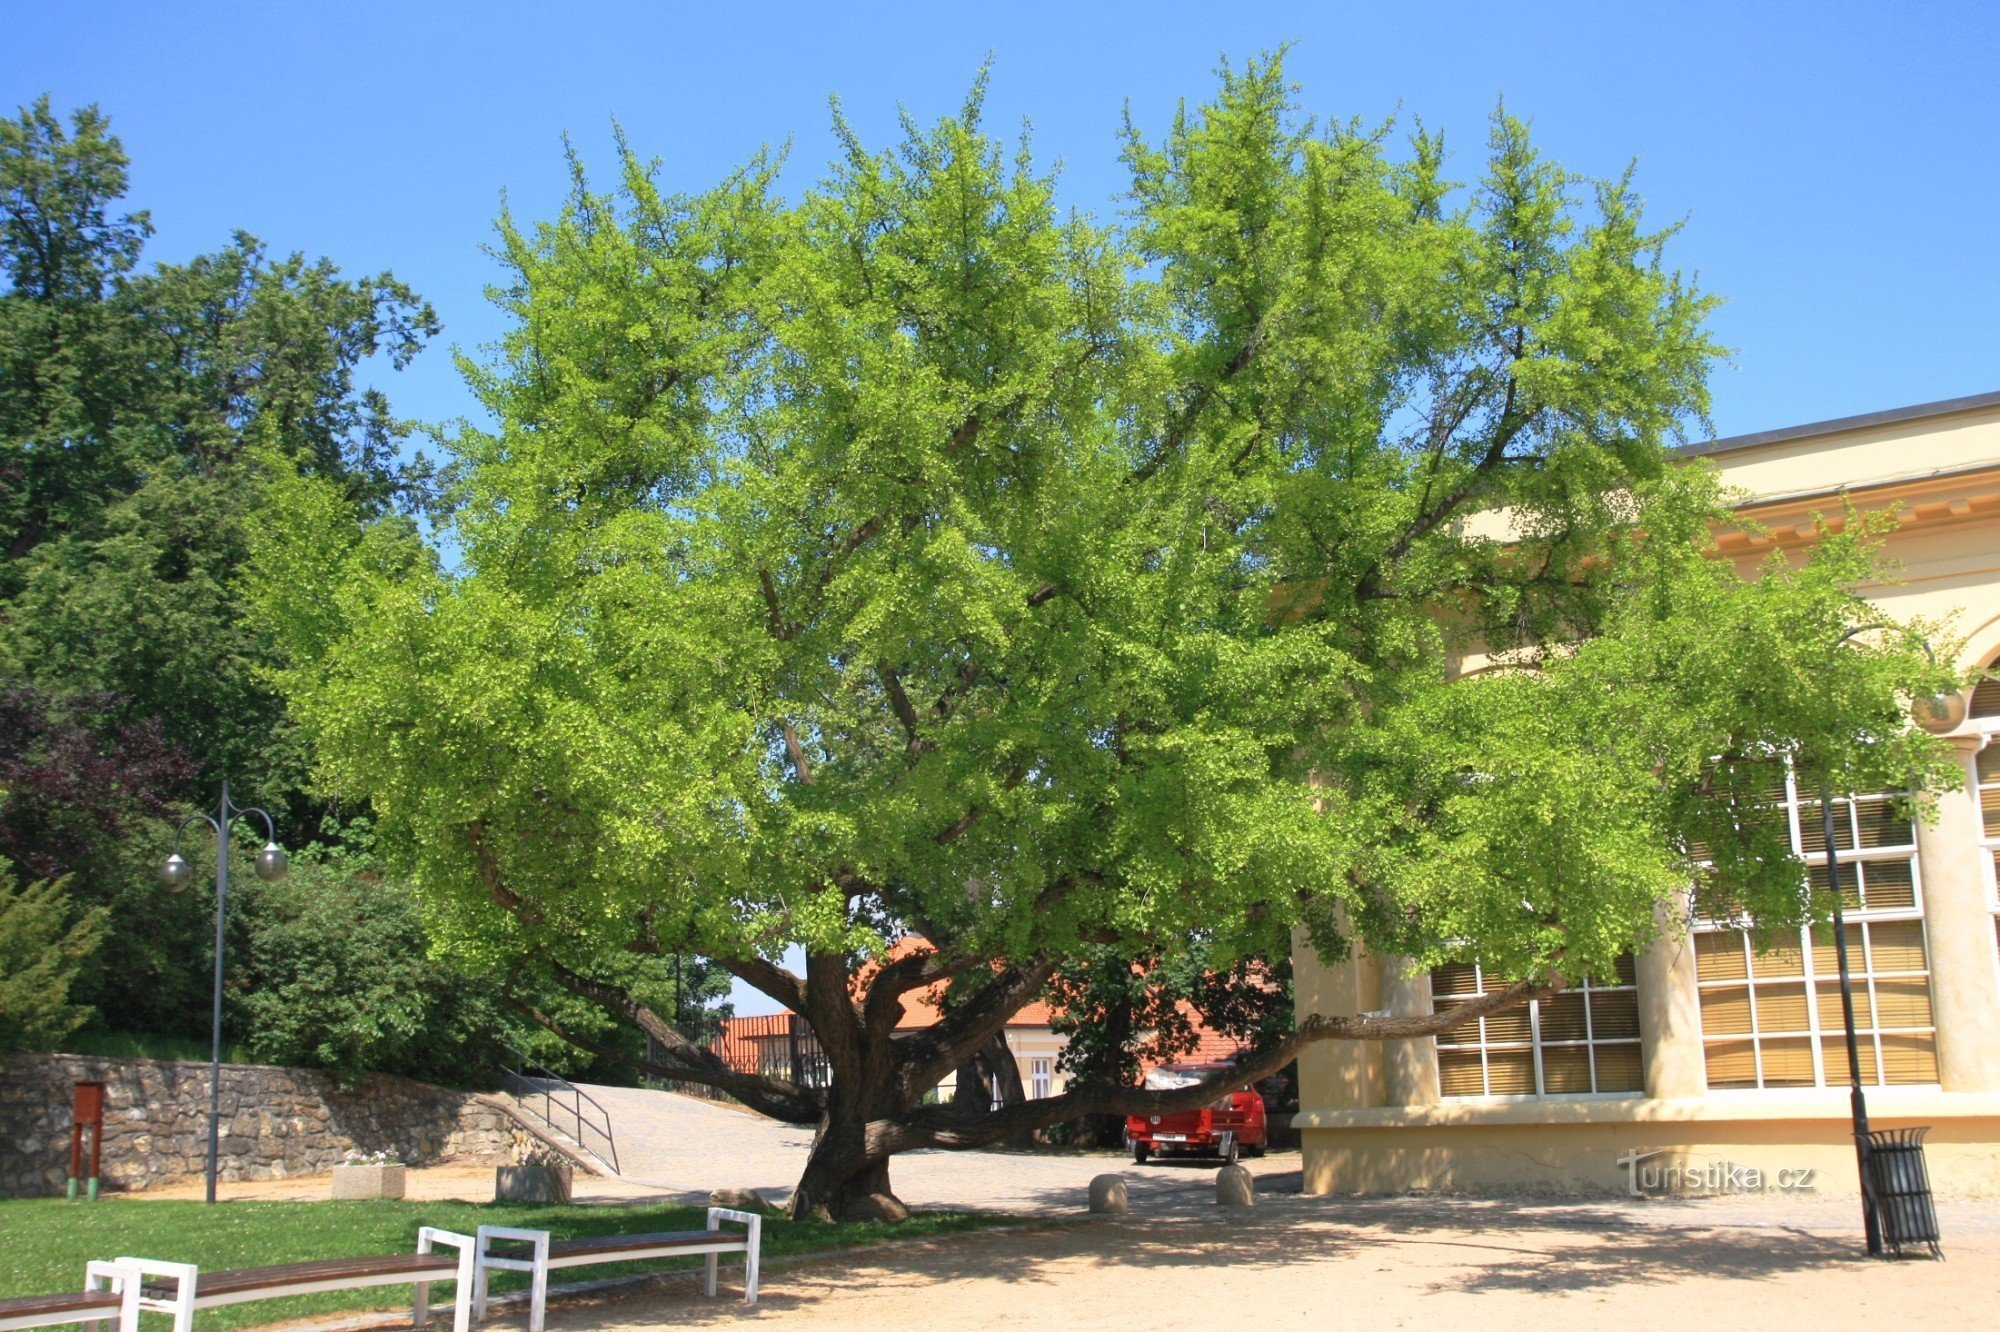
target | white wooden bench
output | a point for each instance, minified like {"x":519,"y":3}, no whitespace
{"x":110,"y":1291}
{"x":507,"y":1249}
{"x":180,"y":1288}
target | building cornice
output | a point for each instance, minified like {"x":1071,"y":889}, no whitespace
{"x":1923,"y":411}
{"x":1925,"y":500}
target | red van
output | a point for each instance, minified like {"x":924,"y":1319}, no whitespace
{"x":1231,"y":1125}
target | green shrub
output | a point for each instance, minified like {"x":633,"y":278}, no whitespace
{"x":41,"y":950}
{"x":337,"y":974}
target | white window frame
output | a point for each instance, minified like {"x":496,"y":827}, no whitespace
{"x":1590,"y":1044}
{"x":1041,"y":1078}
{"x":1864,"y":973}
{"x":1989,"y":843}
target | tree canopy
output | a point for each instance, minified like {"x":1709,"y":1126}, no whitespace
{"x":910,"y":556}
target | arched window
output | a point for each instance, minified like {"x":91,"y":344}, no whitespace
{"x":1986,"y":694}
{"x":1986,"y":782}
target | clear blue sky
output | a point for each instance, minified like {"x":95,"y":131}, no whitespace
{"x":1837,"y":165}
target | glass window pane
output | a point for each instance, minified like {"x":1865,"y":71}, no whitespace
{"x":1618,"y":1069}
{"x":1726,"y":1011}
{"x":1834,"y":1050}
{"x":1720,"y":956}
{"x":1779,"y":959}
{"x":1830,"y":1016}
{"x":1458,"y":1073}
{"x":1908,"y":1059}
{"x":1614,"y":1015}
{"x":1781,"y":1008}
{"x":1562,"y":1017}
{"x":1731,"y":1064}
{"x":1902,"y":1002}
{"x":1467,"y":1034}
{"x":1455,"y":978}
{"x":1895,"y":945}
{"x":1566,"y":1070}
{"x":1510,"y":1072}
{"x":1882,"y":823}
{"x":1812,"y":827}
{"x":1888,"y":885}
{"x":1787,"y":1062}
{"x":1850,"y":883}
{"x":1509,"y":1026}
{"x":1988,"y":764}
{"x":1826,"y":964}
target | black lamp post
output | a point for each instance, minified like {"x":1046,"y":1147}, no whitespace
{"x":177,"y":874}
{"x":1939,"y":714}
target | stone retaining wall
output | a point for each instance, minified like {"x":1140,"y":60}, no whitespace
{"x":276,"y":1122}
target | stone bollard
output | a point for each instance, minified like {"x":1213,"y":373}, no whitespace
{"x":1107,"y":1194}
{"x":532,"y":1182}
{"x":739,"y":1200}
{"x":1235,"y":1187}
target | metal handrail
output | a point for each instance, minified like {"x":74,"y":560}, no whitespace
{"x":534,"y":1079}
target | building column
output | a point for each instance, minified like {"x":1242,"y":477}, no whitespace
{"x":1337,"y":1075}
{"x":1670,"y":1006}
{"x":1412,"y":1065}
{"x":1958,"y":916}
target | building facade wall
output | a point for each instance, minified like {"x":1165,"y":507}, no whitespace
{"x":1377,"y":1119}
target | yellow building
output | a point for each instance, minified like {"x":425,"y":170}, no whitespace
{"x":1708,"y":1065}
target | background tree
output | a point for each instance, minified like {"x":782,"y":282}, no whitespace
{"x":142,"y":409}
{"x":911,"y":558}
{"x":43,"y":943}
{"x":1118,"y":1014}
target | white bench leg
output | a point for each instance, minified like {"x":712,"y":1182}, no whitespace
{"x":537,"y":1268}
{"x":462,"y":1281}
{"x":125,"y":1282}
{"x":708,"y":1283}
{"x":183,"y":1276}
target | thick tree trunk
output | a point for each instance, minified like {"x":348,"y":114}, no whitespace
{"x":847,"y":1174}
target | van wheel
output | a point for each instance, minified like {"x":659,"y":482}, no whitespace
{"x":1139,"y":1153}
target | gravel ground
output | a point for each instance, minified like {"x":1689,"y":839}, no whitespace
{"x":1378,"y":1263}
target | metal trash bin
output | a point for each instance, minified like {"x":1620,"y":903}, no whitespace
{"x":1899,"y":1188}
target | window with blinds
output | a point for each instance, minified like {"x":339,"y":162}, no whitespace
{"x":1986,"y":778}
{"x":1583,"y":1042}
{"x":1772,"y":1018}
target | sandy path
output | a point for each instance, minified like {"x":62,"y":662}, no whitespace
{"x":1310,"y":1262}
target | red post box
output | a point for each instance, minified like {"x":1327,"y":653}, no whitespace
{"x":86,"y":1112}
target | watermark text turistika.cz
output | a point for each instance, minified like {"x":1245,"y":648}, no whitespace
{"x":1642,"y":1180}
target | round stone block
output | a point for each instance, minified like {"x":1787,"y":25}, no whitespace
{"x":1107,"y":1194}
{"x":1235,"y":1187}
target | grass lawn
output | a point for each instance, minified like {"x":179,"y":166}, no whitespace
{"x":45,"y":1242}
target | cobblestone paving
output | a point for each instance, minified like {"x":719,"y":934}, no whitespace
{"x":681,"y":1144}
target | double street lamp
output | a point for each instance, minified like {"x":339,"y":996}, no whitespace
{"x":177,"y":874}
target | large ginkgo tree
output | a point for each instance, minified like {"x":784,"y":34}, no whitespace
{"x":909,"y":558}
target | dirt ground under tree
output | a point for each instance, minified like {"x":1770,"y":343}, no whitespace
{"x":1379,"y":1263}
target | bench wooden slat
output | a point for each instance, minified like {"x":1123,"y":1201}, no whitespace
{"x":411,"y":1265}
{"x":668,"y":1239}
{"x":596,"y":1244}
{"x":25,"y":1306}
